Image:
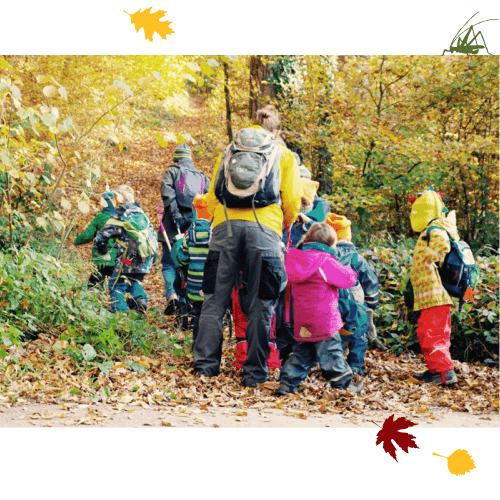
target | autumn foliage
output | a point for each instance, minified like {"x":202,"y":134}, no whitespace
{"x":69,"y":125}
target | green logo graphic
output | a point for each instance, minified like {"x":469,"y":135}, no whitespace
{"x":463,"y":45}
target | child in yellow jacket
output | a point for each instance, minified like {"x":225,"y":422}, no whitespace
{"x":431,"y":298}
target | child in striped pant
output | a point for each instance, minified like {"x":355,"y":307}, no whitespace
{"x":193,"y":254}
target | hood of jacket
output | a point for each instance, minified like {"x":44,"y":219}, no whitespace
{"x":345,"y":252}
{"x":301,"y":265}
{"x":449,"y":224}
{"x":425,"y":209}
{"x":200,"y":232}
{"x":124,"y":211}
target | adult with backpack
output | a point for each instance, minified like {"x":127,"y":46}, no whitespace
{"x":432,"y":280}
{"x":180,"y":184}
{"x":136,"y":246}
{"x":254,"y":188}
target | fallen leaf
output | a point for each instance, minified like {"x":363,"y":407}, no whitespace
{"x":150,"y":23}
{"x":391,"y":432}
{"x":459,"y":462}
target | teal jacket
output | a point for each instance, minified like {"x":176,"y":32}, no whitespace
{"x":98,"y":222}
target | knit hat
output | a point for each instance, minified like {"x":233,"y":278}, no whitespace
{"x":182,"y":151}
{"x":342,"y":226}
{"x":309,"y":189}
{"x":107,"y":200}
{"x":200,"y":204}
{"x":426,"y":208}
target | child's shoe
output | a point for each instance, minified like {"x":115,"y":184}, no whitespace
{"x":141,"y":305}
{"x":283,"y":390}
{"x":182,"y":319}
{"x":356,"y":388}
{"x":445,"y":378}
{"x":172,"y":305}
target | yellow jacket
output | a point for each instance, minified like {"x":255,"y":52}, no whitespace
{"x":271,"y":216}
{"x":427,"y":286}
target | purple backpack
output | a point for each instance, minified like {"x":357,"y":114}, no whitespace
{"x":191,"y":183}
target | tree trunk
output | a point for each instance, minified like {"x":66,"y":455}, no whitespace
{"x":228,"y":102}
{"x":261,"y":91}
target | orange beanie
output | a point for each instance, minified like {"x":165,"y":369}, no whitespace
{"x":342,"y":226}
{"x":200,"y":204}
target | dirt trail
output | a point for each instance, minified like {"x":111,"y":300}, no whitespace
{"x":112,"y":416}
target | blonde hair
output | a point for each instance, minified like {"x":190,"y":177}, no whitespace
{"x":268,"y":118}
{"x":124,"y":194}
{"x":321,"y":233}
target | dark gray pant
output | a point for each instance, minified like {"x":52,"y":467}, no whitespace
{"x":328,"y":353}
{"x":257,"y":253}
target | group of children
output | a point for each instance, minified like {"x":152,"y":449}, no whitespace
{"x":328,"y":303}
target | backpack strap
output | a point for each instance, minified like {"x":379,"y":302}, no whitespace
{"x":428,"y":234}
{"x":288,"y":309}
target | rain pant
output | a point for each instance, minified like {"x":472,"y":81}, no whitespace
{"x":240,"y":315}
{"x":433,"y":332}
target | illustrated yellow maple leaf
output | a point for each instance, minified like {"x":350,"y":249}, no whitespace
{"x":150,"y":23}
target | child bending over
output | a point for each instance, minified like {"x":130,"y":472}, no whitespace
{"x":315,"y":276}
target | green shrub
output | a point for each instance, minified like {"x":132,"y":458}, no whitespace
{"x":39,"y":294}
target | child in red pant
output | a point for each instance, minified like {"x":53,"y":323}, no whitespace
{"x":431,"y":299}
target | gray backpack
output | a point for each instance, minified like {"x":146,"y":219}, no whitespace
{"x":249,"y":175}
{"x":191,"y":182}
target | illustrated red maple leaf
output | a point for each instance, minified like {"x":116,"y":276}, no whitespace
{"x":391,"y":432}
{"x":150,"y":23}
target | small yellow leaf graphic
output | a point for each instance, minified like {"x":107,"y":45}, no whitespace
{"x":150,"y":23}
{"x":459,"y":462}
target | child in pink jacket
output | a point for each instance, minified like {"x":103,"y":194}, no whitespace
{"x":315,"y":276}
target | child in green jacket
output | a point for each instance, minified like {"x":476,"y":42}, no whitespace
{"x":104,"y":263}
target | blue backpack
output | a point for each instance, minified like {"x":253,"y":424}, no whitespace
{"x":459,"y":271}
{"x":351,"y":302}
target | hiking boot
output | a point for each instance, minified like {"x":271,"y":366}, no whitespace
{"x":283,"y":390}
{"x":444,"y":378}
{"x":141,"y":305}
{"x":356,"y":388}
{"x":250,"y":383}
{"x":172,"y":305}
{"x":183,"y":316}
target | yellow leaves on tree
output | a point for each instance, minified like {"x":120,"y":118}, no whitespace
{"x":150,"y":23}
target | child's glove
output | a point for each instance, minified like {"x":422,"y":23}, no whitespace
{"x":372,"y":331}
{"x":182,"y":223}
{"x":303,"y":219}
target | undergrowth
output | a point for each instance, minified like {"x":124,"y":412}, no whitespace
{"x":40,"y":294}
